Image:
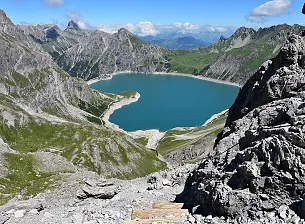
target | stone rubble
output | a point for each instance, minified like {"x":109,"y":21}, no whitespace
{"x":82,"y":199}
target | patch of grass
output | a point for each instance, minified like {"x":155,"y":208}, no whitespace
{"x":95,"y":107}
{"x":62,"y":73}
{"x":176,"y":132}
{"x":95,"y":120}
{"x":19,"y":79}
{"x":191,"y":61}
{"x":128,"y":93}
{"x":81,"y":144}
{"x":240,"y":51}
{"x":216,"y":132}
{"x":219,"y":121}
{"x":37,"y":79}
{"x":23,"y":179}
{"x":142,"y":140}
{"x":169,"y":144}
{"x":264,"y":54}
{"x":136,"y":41}
{"x":7,"y":81}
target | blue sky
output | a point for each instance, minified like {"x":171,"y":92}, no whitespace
{"x":146,"y":17}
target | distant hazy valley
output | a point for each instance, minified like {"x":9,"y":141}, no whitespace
{"x":178,"y":43}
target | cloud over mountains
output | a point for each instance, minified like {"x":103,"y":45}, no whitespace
{"x":270,"y":8}
{"x":147,"y":28}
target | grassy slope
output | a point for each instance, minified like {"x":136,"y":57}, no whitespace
{"x":87,"y":145}
{"x":78,"y":143}
{"x":23,"y":179}
{"x":170,"y":142}
{"x":256,"y":52}
{"x":190,"y":62}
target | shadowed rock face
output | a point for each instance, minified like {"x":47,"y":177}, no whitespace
{"x":258,"y":162}
{"x":72,"y":26}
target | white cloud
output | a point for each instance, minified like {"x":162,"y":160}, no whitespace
{"x":270,"y":8}
{"x":73,"y":15}
{"x":217,"y":28}
{"x":147,"y":28}
{"x":257,"y":19}
{"x":82,"y":25}
{"x":186,"y":27}
{"x":142,"y":28}
{"x":54,"y":2}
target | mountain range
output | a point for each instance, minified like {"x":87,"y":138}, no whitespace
{"x":206,"y":36}
{"x":89,"y":54}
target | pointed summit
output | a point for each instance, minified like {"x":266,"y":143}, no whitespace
{"x":124,"y":31}
{"x":244,"y":31}
{"x":72,"y":26}
{"x":4,"y":18}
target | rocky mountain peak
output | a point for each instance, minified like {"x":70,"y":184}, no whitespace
{"x":222,"y":38}
{"x":4,"y":19}
{"x":123,"y":31}
{"x":53,"y":32}
{"x":244,"y":31}
{"x":260,"y":90}
{"x":72,"y":26}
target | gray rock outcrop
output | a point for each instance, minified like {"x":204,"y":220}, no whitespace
{"x":99,"y":189}
{"x":258,"y":163}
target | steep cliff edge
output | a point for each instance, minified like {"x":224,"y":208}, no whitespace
{"x":257,"y":169}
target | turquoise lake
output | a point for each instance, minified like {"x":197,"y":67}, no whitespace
{"x":167,"y":101}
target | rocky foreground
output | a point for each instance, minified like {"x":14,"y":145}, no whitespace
{"x":87,"y":198}
{"x":257,"y":169}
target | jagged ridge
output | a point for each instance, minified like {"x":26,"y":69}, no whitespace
{"x":258,"y":164}
{"x":88,"y":54}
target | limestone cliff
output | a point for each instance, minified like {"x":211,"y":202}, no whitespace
{"x":257,"y":169}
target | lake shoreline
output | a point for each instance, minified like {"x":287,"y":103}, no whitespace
{"x":115,"y":106}
{"x":153,"y":135}
{"x":109,"y":76}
